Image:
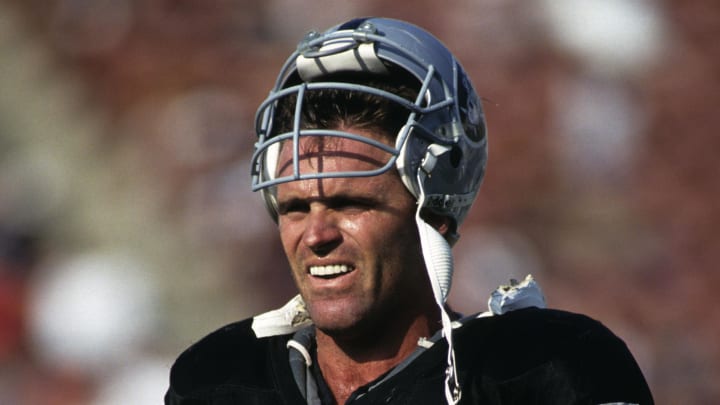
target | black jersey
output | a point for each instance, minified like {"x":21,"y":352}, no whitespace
{"x":528,"y":356}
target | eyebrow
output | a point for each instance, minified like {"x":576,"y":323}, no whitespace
{"x":331,"y":201}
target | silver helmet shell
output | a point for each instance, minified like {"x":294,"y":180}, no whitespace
{"x":442,"y":148}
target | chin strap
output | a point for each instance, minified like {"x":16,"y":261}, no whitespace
{"x":439,"y":264}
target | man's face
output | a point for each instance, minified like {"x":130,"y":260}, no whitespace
{"x":352,"y":243}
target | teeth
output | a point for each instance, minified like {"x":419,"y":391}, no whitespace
{"x":329,"y":270}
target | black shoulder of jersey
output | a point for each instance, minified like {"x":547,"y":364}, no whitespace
{"x":532,"y":355}
{"x":230,"y":356}
{"x":564,"y":354}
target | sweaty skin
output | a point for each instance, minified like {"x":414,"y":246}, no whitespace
{"x":353,"y":248}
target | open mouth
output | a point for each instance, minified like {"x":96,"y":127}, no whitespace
{"x":329,"y":271}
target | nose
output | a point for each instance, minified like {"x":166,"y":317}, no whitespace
{"x":322,"y":233}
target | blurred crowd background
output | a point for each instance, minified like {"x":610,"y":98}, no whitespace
{"x":128,"y":231}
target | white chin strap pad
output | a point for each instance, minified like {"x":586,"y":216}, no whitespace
{"x":438,"y":259}
{"x":436,"y":250}
{"x":439,"y":263}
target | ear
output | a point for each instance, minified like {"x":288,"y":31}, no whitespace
{"x":441,"y":223}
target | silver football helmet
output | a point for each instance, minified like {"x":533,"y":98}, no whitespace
{"x":443,"y":138}
{"x":440,"y":152}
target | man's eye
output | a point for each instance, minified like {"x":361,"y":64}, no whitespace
{"x":292,"y":207}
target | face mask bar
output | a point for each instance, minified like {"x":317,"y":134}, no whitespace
{"x":264,"y":159}
{"x":315,"y":46}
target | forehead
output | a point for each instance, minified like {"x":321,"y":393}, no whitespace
{"x":325,"y":154}
{"x":337,"y":154}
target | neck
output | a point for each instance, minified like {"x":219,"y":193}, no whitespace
{"x":348,"y":363}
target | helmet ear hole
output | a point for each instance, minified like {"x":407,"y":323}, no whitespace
{"x":456,"y":156}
